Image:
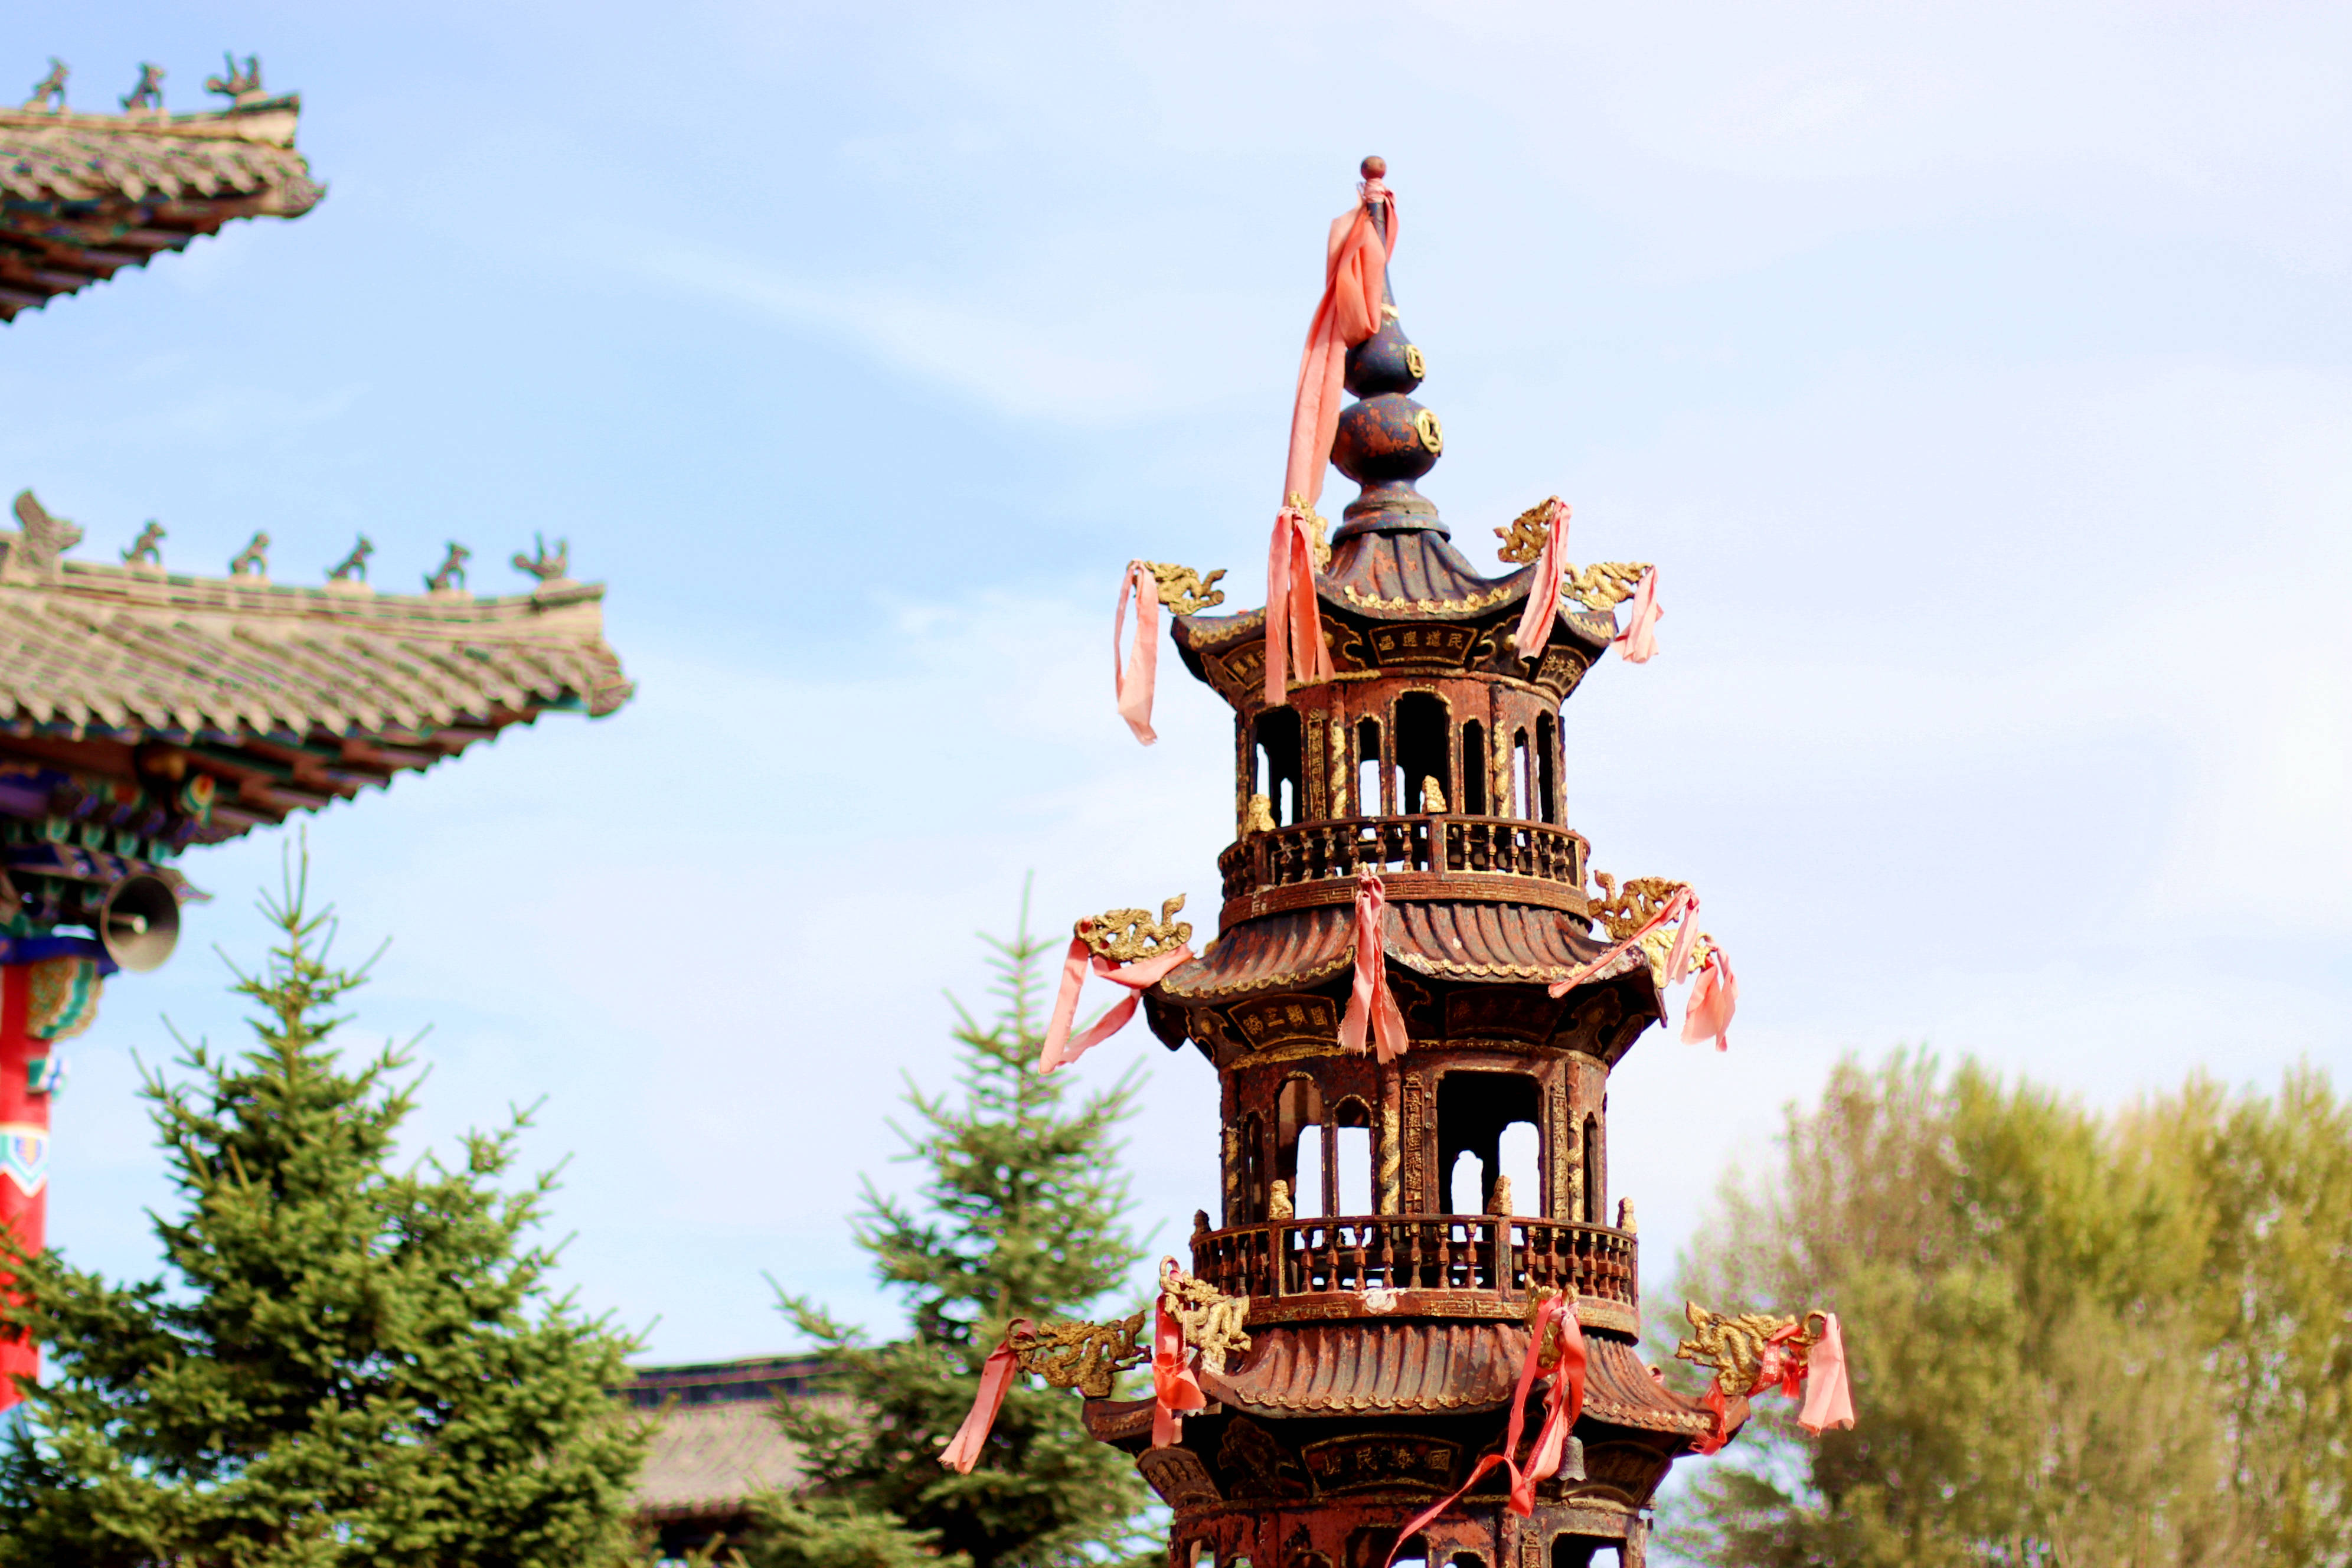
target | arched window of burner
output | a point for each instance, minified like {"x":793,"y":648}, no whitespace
{"x":1473,"y":769}
{"x":1369,"y":777}
{"x":1549,"y":806}
{"x":1252,"y":1182}
{"x":1474,"y":1111}
{"x":1596,"y":1184}
{"x":1522,"y":778}
{"x":1299,"y":1150}
{"x":1351,"y":1136}
{"x":1584,"y":1551}
{"x":1425,"y":751}
{"x":1279,"y":771}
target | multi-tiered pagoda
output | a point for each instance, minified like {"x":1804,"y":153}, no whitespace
{"x":1375,"y":1356}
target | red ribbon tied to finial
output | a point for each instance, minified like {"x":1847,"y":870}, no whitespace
{"x":963,"y":1449}
{"x":1355,"y":272}
{"x":1543,"y":593}
{"x":1174,"y":1387}
{"x":1371,"y":1001}
{"x":1058,"y":1049}
{"x":1135,"y":674}
{"x":1562,"y":1404}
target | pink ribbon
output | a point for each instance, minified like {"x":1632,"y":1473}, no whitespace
{"x":1829,"y":1397}
{"x":1370,"y":1000}
{"x":1293,"y":621}
{"x":1174,"y":1387}
{"x":1638,"y":643}
{"x":963,"y":1449}
{"x":1059,"y":1050}
{"x":1713,"y":997}
{"x":1564,"y":1403}
{"x":1134,"y":677}
{"x":1355,"y":269}
{"x":1543,"y":594}
{"x":1674,"y":906}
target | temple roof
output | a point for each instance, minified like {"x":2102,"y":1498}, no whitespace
{"x":84,"y":195}
{"x":288,"y":697}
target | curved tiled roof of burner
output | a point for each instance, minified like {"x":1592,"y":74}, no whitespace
{"x":1464,"y":942}
{"x":84,"y":195}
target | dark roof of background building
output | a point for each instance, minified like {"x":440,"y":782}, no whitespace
{"x":716,"y":1443}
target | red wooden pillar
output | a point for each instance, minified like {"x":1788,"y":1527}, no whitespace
{"x":40,"y":1004}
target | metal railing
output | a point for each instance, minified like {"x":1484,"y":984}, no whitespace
{"x":1418,"y":1252}
{"x":1319,"y":852}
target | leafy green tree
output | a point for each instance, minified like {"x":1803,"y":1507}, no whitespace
{"x":1022,"y":1215}
{"x":349,"y":1364}
{"x":2076,"y":1339}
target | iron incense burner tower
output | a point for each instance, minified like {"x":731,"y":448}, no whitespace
{"x":1384,"y":1300}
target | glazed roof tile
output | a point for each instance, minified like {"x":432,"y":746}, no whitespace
{"x":84,"y":195}
{"x":709,"y":1460}
{"x":298,"y":694}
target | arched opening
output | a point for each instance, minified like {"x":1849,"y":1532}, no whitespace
{"x":1280,"y":764}
{"x":1251,"y":1183}
{"x":1578,"y":1551}
{"x":1474,"y":768}
{"x":1425,"y":733}
{"x":1520,"y":1150}
{"x":1595,"y":1196}
{"x":1522,"y":781}
{"x":1473,"y":1110}
{"x":1352,"y":1157}
{"x":1548,"y":770}
{"x":1369,"y":777}
{"x":1301,"y":1159}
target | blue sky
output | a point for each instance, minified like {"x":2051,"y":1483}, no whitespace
{"x":1980,"y":377}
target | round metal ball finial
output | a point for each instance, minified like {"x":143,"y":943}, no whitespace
{"x":1375,"y":167}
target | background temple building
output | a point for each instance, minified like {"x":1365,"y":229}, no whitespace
{"x":146,"y":710}
{"x":89,"y":194}
{"x":715,"y":1444}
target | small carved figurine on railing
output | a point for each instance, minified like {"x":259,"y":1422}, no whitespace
{"x":450,"y":576}
{"x":1185,"y":591}
{"x":149,"y":94}
{"x":253,"y":561}
{"x":354,"y":567}
{"x":541,"y":565}
{"x":49,"y":92}
{"x":237,"y":86}
{"x":147,"y":550}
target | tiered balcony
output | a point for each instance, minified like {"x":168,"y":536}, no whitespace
{"x":1507,"y":1256}
{"x":1535,"y":861}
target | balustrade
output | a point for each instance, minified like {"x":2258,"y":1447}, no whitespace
{"x":1418,"y":1252}
{"x":1320,"y":851}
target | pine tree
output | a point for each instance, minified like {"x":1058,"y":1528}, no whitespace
{"x":1023,"y":1216}
{"x":349,"y":1363}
